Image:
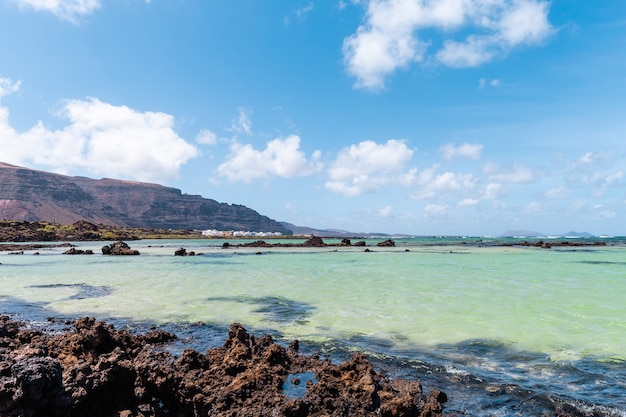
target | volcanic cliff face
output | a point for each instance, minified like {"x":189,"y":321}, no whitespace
{"x":32,"y":195}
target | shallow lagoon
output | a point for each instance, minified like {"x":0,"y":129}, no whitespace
{"x":491,"y":325}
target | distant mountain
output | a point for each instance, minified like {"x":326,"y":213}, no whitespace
{"x":579,"y":234}
{"x":529,"y":233}
{"x":27,"y":194}
{"x":309,"y":231}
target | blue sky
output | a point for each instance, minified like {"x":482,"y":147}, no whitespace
{"x":462,"y":117}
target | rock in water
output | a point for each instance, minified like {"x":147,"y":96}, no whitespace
{"x":118,"y":248}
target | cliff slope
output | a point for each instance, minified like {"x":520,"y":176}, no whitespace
{"x":27,"y":194}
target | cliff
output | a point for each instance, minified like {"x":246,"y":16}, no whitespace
{"x":27,"y":194}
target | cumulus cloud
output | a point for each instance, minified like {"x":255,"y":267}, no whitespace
{"x":606,"y":182}
{"x":7,"y":87}
{"x":390,"y":36}
{"x":206,"y":137}
{"x":493,"y":191}
{"x":514,"y":173}
{"x":71,"y":10}
{"x":433,"y":184}
{"x":106,"y":140}
{"x":466,"y":150}
{"x":468,"y":202}
{"x":385,"y":212}
{"x":368,"y":166}
{"x":435,"y":210}
{"x":595,"y":170}
{"x":281,"y":157}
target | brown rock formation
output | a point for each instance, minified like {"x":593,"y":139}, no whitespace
{"x":119,"y":248}
{"x":96,"y":371}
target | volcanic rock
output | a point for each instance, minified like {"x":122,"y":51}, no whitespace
{"x":314,"y":241}
{"x":97,"y":371}
{"x":118,"y":248}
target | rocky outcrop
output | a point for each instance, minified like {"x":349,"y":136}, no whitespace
{"x":31,"y":246}
{"x":119,"y":248}
{"x":314,"y":241}
{"x":74,"y":251}
{"x":96,"y":370}
{"x":183,"y":252}
{"x":32,"y":195}
{"x":386,"y":243}
{"x":548,"y":245}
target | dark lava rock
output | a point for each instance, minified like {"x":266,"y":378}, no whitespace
{"x":118,"y":248}
{"x":74,"y":251}
{"x":97,"y":371}
{"x":183,"y":252}
{"x":388,"y":243}
{"x":314,"y":241}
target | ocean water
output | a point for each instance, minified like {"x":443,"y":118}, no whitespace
{"x":503,"y":330}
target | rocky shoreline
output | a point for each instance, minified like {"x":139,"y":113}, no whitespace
{"x":92,"y":369}
{"x":81,"y":231}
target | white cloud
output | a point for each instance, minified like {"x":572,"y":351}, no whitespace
{"x":468,"y":202}
{"x":495,"y":82}
{"x":243,"y":123}
{"x":433,"y":185}
{"x":436,"y":210}
{"x":466,"y":150}
{"x":303,"y":11}
{"x":300,"y":13}
{"x":594,"y":169}
{"x":368,"y":166}
{"x":606,"y":182}
{"x":281,"y":157}
{"x":533,"y":208}
{"x":106,"y":140}
{"x":493,"y":191}
{"x":385,"y":212}
{"x":557,"y":193}
{"x":515,"y":173}
{"x":71,"y":10}
{"x":206,"y":137}
{"x":389,"y":38}
{"x":8,"y":87}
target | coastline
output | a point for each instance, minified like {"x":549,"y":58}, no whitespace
{"x":89,"y":368}
{"x":482,"y":375}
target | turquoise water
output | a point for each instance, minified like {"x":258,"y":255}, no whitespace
{"x":426,"y":302}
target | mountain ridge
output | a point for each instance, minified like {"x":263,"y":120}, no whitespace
{"x":33,"y":195}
